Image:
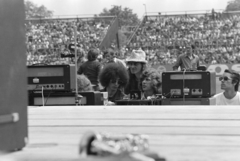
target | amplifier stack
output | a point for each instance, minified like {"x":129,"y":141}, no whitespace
{"x":188,"y":87}
{"x":51,"y":78}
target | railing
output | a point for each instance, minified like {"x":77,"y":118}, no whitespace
{"x":179,"y":13}
{"x":70,"y":17}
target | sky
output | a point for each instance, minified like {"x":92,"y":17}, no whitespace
{"x":85,"y":8}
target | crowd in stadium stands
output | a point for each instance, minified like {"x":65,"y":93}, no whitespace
{"x":215,"y":39}
{"x":50,"y":42}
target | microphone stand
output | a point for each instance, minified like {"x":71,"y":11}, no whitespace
{"x":77,"y":97}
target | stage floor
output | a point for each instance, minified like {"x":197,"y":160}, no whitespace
{"x":177,"y":133}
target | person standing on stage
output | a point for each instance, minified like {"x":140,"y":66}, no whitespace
{"x":136,"y":63}
{"x":187,"y":60}
{"x":151,"y":83}
{"x":229,"y":83}
{"x":91,"y":68}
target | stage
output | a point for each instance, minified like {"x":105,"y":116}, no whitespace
{"x":177,"y":133}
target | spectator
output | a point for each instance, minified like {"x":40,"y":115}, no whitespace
{"x":136,"y":65}
{"x":114,"y":77}
{"x":187,"y":61}
{"x":150,"y":83}
{"x":229,"y":83}
{"x":84,"y":84}
{"x":91,"y":68}
{"x":110,"y":56}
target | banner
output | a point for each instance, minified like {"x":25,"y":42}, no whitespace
{"x":110,"y":35}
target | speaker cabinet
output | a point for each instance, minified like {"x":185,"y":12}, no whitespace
{"x":13,"y":96}
{"x":189,"y":84}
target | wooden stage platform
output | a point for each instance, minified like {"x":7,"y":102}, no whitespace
{"x":177,"y":133}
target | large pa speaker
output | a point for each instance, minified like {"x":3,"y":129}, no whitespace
{"x":13,"y":95}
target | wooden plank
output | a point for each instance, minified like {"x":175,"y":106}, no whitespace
{"x":133,"y":109}
{"x":146,"y":130}
{"x":74,"y":137}
{"x":138,"y":116}
{"x":136,"y":122}
{"x":172,"y":147}
{"x":176,"y":133}
{"x":122,"y":112}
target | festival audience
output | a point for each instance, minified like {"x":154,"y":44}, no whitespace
{"x":216,"y":40}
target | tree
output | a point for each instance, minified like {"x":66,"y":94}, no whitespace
{"x":126,"y":16}
{"x":233,"y":5}
{"x":34,"y":11}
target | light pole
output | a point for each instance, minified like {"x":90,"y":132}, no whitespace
{"x":145,"y":9}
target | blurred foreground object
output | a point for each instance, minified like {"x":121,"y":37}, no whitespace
{"x":117,"y":147}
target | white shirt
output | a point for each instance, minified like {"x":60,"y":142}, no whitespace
{"x":222,"y":100}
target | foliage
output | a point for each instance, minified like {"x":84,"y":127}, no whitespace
{"x":233,"y":5}
{"x":125,"y":15}
{"x":34,"y":11}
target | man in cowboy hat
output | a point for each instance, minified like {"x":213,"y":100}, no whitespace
{"x":136,"y":63}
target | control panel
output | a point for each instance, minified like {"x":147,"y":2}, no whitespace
{"x":46,"y":87}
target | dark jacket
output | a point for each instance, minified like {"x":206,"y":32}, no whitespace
{"x":133,"y":84}
{"x":91,"y":69}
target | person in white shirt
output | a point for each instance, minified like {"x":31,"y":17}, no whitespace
{"x":229,"y":83}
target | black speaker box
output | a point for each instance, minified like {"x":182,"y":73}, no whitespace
{"x":13,"y":96}
{"x":189,"y":84}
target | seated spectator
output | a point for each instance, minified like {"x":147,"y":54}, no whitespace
{"x":136,"y":65}
{"x":151,"y":83}
{"x":229,"y":83}
{"x":80,"y":57}
{"x":84,"y":84}
{"x":114,"y":77}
